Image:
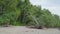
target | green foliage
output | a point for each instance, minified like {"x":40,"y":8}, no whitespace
{"x":9,"y":10}
{"x":22,"y":12}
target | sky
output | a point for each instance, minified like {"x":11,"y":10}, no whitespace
{"x":52,"y":5}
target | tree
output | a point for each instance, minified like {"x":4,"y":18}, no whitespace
{"x":9,"y":11}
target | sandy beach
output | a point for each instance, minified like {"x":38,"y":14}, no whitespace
{"x":25,"y":30}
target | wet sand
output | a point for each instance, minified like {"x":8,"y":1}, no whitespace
{"x":25,"y":30}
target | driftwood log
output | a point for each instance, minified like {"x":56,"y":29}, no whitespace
{"x":36,"y":27}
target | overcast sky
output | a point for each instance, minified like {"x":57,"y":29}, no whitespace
{"x":52,"y":5}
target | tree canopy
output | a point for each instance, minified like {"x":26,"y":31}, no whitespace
{"x":17,"y":12}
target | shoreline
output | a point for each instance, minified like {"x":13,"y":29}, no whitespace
{"x":25,"y":30}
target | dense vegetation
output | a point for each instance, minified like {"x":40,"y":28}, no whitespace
{"x":22,"y":12}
